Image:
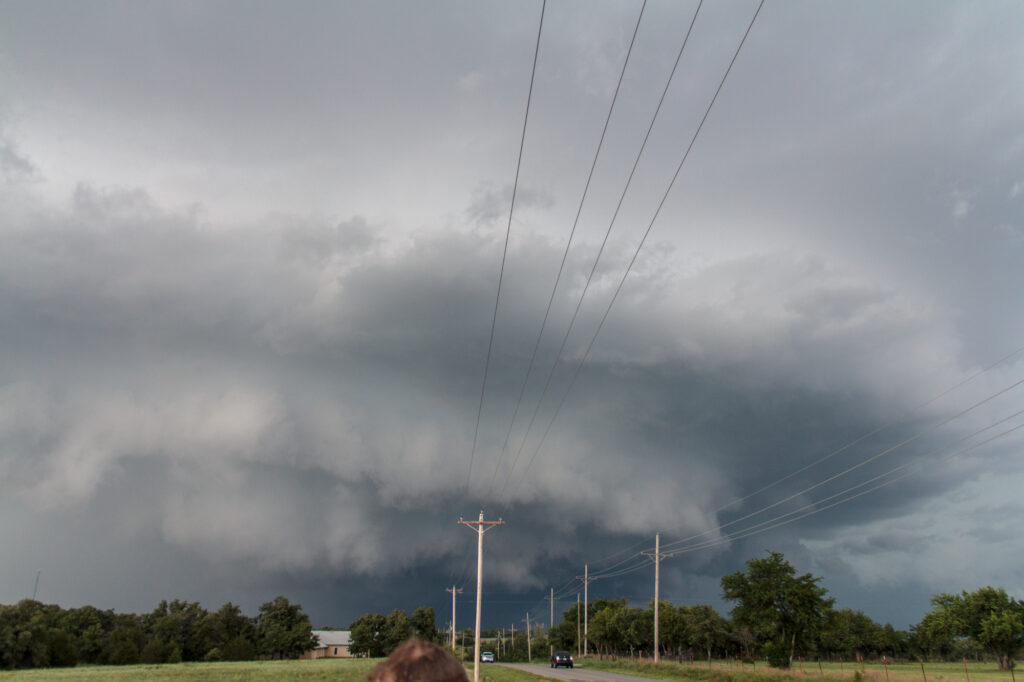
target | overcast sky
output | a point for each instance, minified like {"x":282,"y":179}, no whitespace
{"x":249,"y":258}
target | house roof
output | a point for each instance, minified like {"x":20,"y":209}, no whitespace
{"x":333,"y":637}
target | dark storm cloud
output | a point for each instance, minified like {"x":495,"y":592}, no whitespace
{"x":295,"y":395}
{"x":250,"y":260}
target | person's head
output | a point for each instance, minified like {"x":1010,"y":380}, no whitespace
{"x":416,"y":660}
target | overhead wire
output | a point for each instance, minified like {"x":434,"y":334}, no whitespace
{"x":568,"y":245}
{"x":856,"y":466}
{"x":643,"y":240}
{"x":617,"y":291}
{"x":501,"y":272}
{"x":680,"y":547}
{"x":777,"y":522}
{"x":504,"y":253}
{"x":586,"y":287}
{"x":843,"y":448}
{"x":812,"y":508}
{"x":868,"y":434}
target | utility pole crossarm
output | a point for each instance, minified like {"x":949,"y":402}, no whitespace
{"x":454,"y":590}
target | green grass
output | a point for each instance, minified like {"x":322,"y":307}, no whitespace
{"x":336,"y":669}
{"x":722,"y":671}
{"x":353,"y":670}
{"x":343,"y":670}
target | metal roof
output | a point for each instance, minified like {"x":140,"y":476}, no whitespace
{"x":333,"y":637}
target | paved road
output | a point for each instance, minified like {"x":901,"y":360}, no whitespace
{"x":576,"y":674}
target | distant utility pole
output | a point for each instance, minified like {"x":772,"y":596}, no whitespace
{"x":657,"y":556}
{"x":481,"y":528}
{"x":586,"y":601}
{"x":551,"y":623}
{"x":453,"y":590}
{"x":529,"y":652}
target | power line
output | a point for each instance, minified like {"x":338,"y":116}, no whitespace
{"x":812,"y":508}
{"x":593,"y":269}
{"x":815,"y":507}
{"x":504,"y":253}
{"x":643,"y":240}
{"x":734,"y":502}
{"x":568,"y":244}
{"x":867,"y":435}
{"x":854,"y":467}
{"x":776,"y":521}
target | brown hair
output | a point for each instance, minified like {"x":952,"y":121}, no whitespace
{"x":416,"y":660}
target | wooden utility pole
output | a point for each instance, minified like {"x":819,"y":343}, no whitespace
{"x":529,"y":651}
{"x":551,"y":622}
{"x":586,"y":601}
{"x":657,"y":556}
{"x":453,"y":590}
{"x":481,"y":527}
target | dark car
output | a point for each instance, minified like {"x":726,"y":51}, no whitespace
{"x":560,"y":659}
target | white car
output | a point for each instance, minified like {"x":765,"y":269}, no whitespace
{"x":486,"y":657}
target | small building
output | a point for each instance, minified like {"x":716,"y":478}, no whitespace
{"x":330,"y":644}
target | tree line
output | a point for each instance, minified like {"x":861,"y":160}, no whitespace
{"x":374,"y":635}
{"x":33,"y":634}
{"x":778,"y":616}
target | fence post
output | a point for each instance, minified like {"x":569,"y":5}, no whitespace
{"x":923,"y":674}
{"x":885,"y":662}
{"x":820,"y":669}
{"x":966,"y":674}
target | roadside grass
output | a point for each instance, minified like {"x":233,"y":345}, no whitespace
{"x":723,"y":671}
{"x":343,"y":670}
{"x":355,"y":670}
{"x":334,"y":669}
{"x":668,"y":670}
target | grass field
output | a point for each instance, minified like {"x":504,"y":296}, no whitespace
{"x":355,"y":670}
{"x":722,"y":671}
{"x":339,"y":670}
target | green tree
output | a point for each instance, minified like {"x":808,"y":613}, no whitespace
{"x":123,"y":644}
{"x":283,"y":630}
{"x":424,"y":625}
{"x":88,"y":628}
{"x":397,"y":629}
{"x":367,"y":631}
{"x":706,"y":628}
{"x":563,"y":636}
{"x":229,"y":635}
{"x":783,"y":610}
{"x":987,"y":617}
{"x":852,"y":634}
{"x":673,"y":633}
